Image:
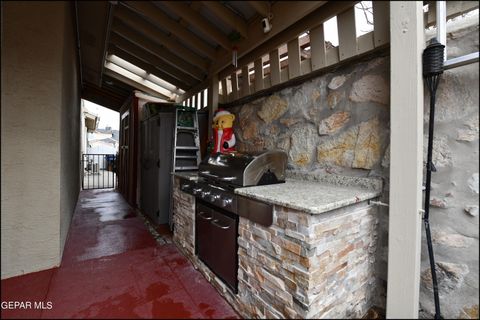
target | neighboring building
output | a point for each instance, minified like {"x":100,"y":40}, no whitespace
{"x":102,"y":141}
{"x":89,"y":123}
{"x":103,"y":146}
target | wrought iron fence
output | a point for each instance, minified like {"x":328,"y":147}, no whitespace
{"x":99,"y":171}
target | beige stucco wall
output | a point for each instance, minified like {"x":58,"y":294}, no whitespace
{"x":70,"y":128}
{"x":40,"y":135}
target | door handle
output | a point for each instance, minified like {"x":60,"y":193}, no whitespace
{"x":204,"y":217}
{"x":158,"y":163}
{"x":216,"y":224}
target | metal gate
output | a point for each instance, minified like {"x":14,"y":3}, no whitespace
{"x":99,"y":171}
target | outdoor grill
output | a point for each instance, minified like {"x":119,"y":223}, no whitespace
{"x":221,"y":173}
{"x":218,"y":207}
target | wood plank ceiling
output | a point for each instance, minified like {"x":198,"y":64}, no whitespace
{"x":180,"y":42}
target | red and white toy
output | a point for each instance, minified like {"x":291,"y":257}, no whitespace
{"x":223,"y":136}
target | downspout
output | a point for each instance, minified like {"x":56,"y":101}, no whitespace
{"x":78,"y":43}
{"x":111,"y":6}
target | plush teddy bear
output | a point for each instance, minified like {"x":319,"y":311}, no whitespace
{"x":223,"y":136}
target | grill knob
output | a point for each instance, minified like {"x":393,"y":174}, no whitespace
{"x":196,"y":190}
{"x":205,"y":194}
{"x":226,"y":202}
{"x":185,"y":187}
{"x":213,"y":197}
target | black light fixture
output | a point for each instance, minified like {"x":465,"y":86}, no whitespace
{"x":433,"y":57}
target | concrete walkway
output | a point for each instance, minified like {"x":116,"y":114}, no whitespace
{"x":113,"y":268}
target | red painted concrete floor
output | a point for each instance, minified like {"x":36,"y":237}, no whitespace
{"x":113,"y":268}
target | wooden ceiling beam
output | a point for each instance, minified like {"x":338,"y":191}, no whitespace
{"x":285,"y":14}
{"x":285,"y":27}
{"x":145,"y":65}
{"x":125,"y":64}
{"x":141,"y":83}
{"x":105,"y":91}
{"x":133,"y":20}
{"x":197,"y":21}
{"x":156,"y":15}
{"x":292,"y":27}
{"x":227,"y":16}
{"x":102,"y":97}
{"x":118,"y":85}
{"x":166,"y":55}
{"x":135,"y":84}
{"x":137,"y":51}
{"x":262,"y":7}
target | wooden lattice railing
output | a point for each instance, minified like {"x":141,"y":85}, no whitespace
{"x":308,"y":52}
{"x":290,"y":61}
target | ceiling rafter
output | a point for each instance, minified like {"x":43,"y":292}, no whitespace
{"x":155,"y":14}
{"x":285,"y":14}
{"x":135,"y":84}
{"x":146,"y":66}
{"x":157,"y":50}
{"x":133,"y":20}
{"x":262,"y":7}
{"x":139,"y":78}
{"x":164,"y":87}
{"x":104,"y":97}
{"x":117,"y":85}
{"x":136,"y":50}
{"x":227,"y":16}
{"x":197,"y":21}
{"x":114,"y":93}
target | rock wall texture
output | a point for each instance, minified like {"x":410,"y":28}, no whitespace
{"x":454,"y":201}
{"x":334,"y":123}
{"x":339,"y":123}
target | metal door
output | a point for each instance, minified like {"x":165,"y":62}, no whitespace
{"x":216,"y":242}
{"x":223,"y":243}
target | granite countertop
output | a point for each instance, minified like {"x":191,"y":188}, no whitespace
{"x":309,"y":196}
{"x":187,"y":175}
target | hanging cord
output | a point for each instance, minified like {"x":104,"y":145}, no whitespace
{"x":432,"y":69}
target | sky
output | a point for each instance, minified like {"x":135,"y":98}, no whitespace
{"x":108,"y":118}
{"x":361,"y":25}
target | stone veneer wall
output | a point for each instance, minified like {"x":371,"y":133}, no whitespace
{"x":183,"y":219}
{"x":339,"y":123}
{"x":303,"y":266}
{"x":309,"y":266}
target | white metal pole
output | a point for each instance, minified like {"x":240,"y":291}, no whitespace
{"x":406,"y":158}
{"x":441,"y":20}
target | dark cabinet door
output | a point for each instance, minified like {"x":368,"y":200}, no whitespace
{"x":149,"y":168}
{"x":164,"y":161}
{"x":216,"y":242}
{"x":203,"y":234}
{"x":224,"y":244}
